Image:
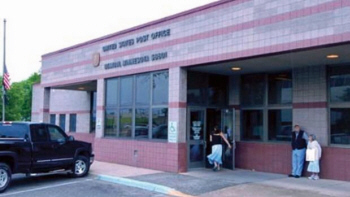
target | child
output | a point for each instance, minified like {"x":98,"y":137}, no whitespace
{"x":314,"y":166}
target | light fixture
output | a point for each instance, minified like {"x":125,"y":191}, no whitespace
{"x":332,"y":56}
{"x":236,"y":68}
{"x":81,"y":88}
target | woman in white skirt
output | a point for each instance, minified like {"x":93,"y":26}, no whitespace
{"x":216,"y":148}
{"x":314,"y":166}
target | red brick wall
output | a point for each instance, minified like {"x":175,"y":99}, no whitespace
{"x":86,"y":137}
{"x":150,"y":154}
{"x":276,"y":158}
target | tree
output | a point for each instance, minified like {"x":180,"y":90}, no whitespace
{"x":18,"y":107}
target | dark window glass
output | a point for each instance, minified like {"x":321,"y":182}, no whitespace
{"x":111,"y":92}
{"x":340,"y":88}
{"x":63,"y":121}
{"x":141,"y":123}
{"x":110,"y":123}
{"x":72,"y":122}
{"x":52,"y":118}
{"x":340,"y":126}
{"x":125,"y":122}
{"x":38,"y":133}
{"x":55,"y":134}
{"x":160,"y":88}
{"x":196,"y":88}
{"x":160,"y":123}
{"x":253,"y":90}
{"x":143,"y":91}
{"x":13,"y":130}
{"x":126,"y":88}
{"x":252,"y":125}
{"x":217,"y":90}
{"x":280,"y":88}
{"x":93,"y":111}
{"x":280,"y":124}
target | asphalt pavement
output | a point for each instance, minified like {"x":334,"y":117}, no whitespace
{"x":58,"y":185}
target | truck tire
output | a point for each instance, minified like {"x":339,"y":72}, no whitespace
{"x":5,"y":176}
{"x":81,"y":166}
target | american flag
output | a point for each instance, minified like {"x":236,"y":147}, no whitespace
{"x":6,"y":79}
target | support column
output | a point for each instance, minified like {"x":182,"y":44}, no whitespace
{"x":177,"y":146}
{"x":310,"y":101}
{"x":43,"y":95}
{"x":178,"y":101}
{"x":100,"y":109}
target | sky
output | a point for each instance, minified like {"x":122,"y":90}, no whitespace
{"x":36,"y":27}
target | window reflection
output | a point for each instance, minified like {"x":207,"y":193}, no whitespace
{"x":340,"y":126}
{"x":143,"y":89}
{"x":126,"y":91}
{"x":253,"y":90}
{"x":125,"y":122}
{"x":160,"y":123}
{"x":160,"y":88}
{"x":252,"y":125}
{"x":280,"y":88}
{"x":280,"y":125}
{"x":141,"y":123}
{"x":111,"y":92}
{"x":110,"y":123}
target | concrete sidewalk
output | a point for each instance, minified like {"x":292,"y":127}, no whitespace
{"x":205,"y":182}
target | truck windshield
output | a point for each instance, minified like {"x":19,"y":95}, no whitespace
{"x":12,"y":131}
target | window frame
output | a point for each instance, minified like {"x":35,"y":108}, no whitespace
{"x":75,"y":123}
{"x":334,"y":105}
{"x":265,"y":107}
{"x":135,"y":106}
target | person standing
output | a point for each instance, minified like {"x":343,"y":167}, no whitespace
{"x":216,"y":148}
{"x":314,"y":165}
{"x":299,"y":143}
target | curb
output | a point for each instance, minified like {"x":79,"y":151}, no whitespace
{"x":142,"y":185}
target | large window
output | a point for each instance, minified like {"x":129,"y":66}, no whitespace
{"x":52,"y":118}
{"x":63,"y":122}
{"x":72,"y":122}
{"x":266,"y":107}
{"x":280,"y":124}
{"x":138,"y":106}
{"x":339,"y":94}
{"x":252,"y":125}
{"x":206,"y":89}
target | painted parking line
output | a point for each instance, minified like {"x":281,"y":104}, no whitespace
{"x":45,"y":187}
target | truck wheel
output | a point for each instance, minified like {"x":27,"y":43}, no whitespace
{"x":81,"y":167}
{"x":5,"y":176}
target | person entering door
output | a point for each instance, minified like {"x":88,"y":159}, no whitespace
{"x":215,"y":157}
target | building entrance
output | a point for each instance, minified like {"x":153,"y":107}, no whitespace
{"x":200,"y":124}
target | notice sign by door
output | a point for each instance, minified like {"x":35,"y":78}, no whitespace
{"x":172,"y":132}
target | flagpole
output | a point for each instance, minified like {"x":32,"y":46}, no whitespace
{"x":3,"y":73}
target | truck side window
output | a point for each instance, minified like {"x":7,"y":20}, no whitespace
{"x":55,"y":134}
{"x":38,"y":133}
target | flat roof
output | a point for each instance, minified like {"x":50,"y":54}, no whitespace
{"x":122,"y":32}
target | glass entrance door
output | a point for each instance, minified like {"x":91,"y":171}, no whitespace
{"x":196,"y":137}
{"x":228,"y":126}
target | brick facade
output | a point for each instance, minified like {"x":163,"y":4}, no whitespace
{"x":217,"y":32}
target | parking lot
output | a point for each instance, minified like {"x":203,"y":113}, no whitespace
{"x":57,"y":185}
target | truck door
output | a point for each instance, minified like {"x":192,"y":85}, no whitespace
{"x":42,"y":147}
{"x":64,"y":150}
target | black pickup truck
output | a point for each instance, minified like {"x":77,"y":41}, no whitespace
{"x":27,"y":147}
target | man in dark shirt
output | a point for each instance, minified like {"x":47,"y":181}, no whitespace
{"x":299,"y":143}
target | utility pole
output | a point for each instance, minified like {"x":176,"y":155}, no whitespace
{"x":3,"y":74}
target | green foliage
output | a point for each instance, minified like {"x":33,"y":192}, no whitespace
{"x":19,"y":99}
